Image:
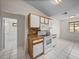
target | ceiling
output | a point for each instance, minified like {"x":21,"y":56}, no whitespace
{"x":48,"y":8}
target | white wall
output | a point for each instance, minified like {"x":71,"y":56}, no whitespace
{"x":0,"y":30}
{"x":63,"y":24}
{"x":0,"y":35}
{"x":56,"y":27}
{"x":64,"y":29}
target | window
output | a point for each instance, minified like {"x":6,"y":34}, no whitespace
{"x":74,"y":26}
{"x":77,"y":27}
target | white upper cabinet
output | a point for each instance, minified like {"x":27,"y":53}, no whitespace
{"x":34,"y":21}
{"x":42,"y":20}
{"x":46,"y":20}
{"x":50,"y":23}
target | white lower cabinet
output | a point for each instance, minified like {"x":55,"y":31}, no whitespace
{"x":37,"y":49}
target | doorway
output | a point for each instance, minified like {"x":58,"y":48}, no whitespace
{"x":14,"y":39}
{"x":10,"y":38}
{"x":10,"y":33}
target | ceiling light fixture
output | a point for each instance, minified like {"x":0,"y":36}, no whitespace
{"x":57,"y":2}
{"x":71,"y":16}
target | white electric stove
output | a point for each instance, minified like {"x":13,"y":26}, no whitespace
{"x":47,"y":44}
{"x":49,"y":41}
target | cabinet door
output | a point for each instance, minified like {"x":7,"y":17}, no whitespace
{"x":37,"y":49}
{"x":51,"y":23}
{"x":44,"y":27}
{"x":46,"y":20}
{"x":42,"y":20}
{"x":35,"y":21}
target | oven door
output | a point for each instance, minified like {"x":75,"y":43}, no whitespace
{"x":47,"y":44}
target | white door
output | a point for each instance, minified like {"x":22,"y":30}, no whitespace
{"x":10,"y":33}
{"x":10,"y":38}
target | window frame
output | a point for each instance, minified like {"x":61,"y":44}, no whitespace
{"x":74,"y":30}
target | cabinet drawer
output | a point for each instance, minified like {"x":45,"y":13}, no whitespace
{"x":37,"y":41}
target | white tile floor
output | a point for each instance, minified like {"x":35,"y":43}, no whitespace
{"x":8,"y":54}
{"x":63,"y":50}
{"x":12,"y":54}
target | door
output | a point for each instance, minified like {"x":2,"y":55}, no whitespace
{"x":9,"y":38}
{"x":13,"y":36}
{"x":10,"y":33}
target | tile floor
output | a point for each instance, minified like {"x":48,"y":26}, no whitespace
{"x":63,"y":50}
{"x":12,"y":54}
{"x":8,"y":54}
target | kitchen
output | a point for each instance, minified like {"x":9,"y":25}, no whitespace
{"x":47,"y":29}
{"x":40,"y":41}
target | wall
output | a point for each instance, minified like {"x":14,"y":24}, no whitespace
{"x":56,"y":27}
{"x":64,"y":29}
{"x":20,"y":7}
{"x":0,"y":34}
{"x":1,"y":46}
